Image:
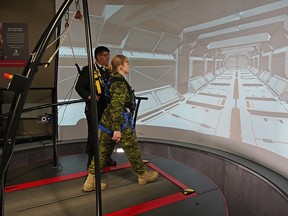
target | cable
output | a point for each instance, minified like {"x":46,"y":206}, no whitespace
{"x":27,"y":132}
{"x":70,"y":95}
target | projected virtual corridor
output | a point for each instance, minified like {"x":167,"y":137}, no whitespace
{"x":243,"y":105}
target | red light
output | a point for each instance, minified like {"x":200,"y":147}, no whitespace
{"x":8,"y":76}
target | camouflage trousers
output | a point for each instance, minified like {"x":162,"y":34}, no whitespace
{"x":130,"y":146}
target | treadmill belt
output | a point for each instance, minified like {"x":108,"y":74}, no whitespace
{"x":66,"y":198}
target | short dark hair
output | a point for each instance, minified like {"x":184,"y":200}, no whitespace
{"x":100,"y":49}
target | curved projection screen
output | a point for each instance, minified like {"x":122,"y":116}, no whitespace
{"x":214,"y":72}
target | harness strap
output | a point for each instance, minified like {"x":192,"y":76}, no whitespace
{"x":106,"y":130}
{"x":128,"y":119}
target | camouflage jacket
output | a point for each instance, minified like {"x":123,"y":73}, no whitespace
{"x":112,"y":118}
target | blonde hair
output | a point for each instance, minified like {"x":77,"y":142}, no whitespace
{"x":118,"y":60}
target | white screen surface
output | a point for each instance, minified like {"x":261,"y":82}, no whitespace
{"x":214,"y":72}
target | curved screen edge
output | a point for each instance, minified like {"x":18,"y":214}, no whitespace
{"x":261,"y":156}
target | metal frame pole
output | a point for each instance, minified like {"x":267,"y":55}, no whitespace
{"x":93,"y":108}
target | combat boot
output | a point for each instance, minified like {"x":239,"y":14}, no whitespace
{"x":147,"y":177}
{"x":89,"y":184}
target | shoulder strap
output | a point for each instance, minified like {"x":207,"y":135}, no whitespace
{"x":99,"y":81}
{"x":108,"y":84}
{"x":130,"y":105}
{"x":114,"y":79}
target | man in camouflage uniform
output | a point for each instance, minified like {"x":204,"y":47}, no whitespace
{"x":117,"y":127}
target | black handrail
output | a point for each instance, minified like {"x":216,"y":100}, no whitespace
{"x":29,"y":109}
{"x":137,"y":108}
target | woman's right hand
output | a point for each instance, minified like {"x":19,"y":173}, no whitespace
{"x":116,"y":136}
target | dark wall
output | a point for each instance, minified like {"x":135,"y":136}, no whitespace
{"x":37,"y":14}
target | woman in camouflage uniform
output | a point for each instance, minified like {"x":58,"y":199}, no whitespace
{"x":115,"y":116}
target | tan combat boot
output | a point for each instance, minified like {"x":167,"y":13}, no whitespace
{"x":147,"y":177}
{"x":89,"y":184}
